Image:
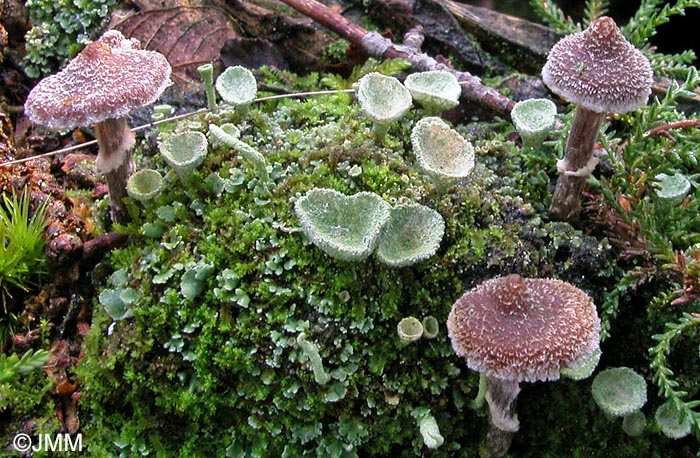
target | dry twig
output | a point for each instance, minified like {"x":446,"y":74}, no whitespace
{"x":381,"y":48}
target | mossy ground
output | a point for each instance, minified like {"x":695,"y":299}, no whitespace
{"x":221,"y":281}
{"x":218,"y":282}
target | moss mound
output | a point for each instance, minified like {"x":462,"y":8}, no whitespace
{"x":194,"y":346}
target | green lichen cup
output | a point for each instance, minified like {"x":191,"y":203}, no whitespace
{"x":671,"y":421}
{"x":584,"y":369}
{"x":431,"y":327}
{"x":384,"y":100}
{"x":534,"y":120}
{"x":672,"y":189}
{"x":344,"y":227}
{"x":144,"y":185}
{"x":184,"y":152}
{"x":619,"y":391}
{"x":435,"y":90}
{"x":441,"y":151}
{"x":412,"y":233}
{"x":409,"y":330}
{"x":237,"y":86}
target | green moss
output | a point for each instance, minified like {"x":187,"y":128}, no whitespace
{"x":220,"y":369}
{"x":59,"y":29}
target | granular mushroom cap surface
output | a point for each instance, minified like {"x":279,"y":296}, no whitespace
{"x":110,"y":77}
{"x":599,"y":69}
{"x":514,"y":328}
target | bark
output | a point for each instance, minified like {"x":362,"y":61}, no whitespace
{"x":103,"y":244}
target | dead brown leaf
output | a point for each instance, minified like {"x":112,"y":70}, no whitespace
{"x":188,"y":36}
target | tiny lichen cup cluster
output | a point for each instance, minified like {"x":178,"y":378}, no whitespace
{"x":385,"y":100}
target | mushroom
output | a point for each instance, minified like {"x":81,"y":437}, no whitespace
{"x":110,"y":77}
{"x":599,"y":71}
{"x":513,"y":329}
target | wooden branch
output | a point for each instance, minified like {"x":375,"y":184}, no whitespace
{"x":103,"y":244}
{"x":664,"y":128}
{"x":381,"y":48}
{"x":497,"y":33}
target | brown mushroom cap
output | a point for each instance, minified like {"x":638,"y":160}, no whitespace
{"x":110,"y":77}
{"x":524,"y":329}
{"x":599,"y":69}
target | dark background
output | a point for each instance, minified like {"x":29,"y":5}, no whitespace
{"x":681,"y":33}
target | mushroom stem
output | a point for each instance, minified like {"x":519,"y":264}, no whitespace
{"x":115,"y":139}
{"x":576,"y":166}
{"x":501,"y":396}
{"x":497,"y":443}
{"x":116,"y":184}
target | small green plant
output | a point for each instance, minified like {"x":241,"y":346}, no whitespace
{"x":11,"y":367}
{"x":663,"y":376}
{"x":21,"y":244}
{"x":59,"y":29}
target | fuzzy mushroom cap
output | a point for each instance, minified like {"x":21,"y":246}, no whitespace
{"x":110,"y":77}
{"x":599,"y":69}
{"x":524,"y":329}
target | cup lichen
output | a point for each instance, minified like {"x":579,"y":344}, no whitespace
{"x":184,"y":151}
{"x":441,"y":151}
{"x":412,"y":233}
{"x":237,"y":86}
{"x":345,"y":227}
{"x":144,"y":184}
{"x":619,"y":391}
{"x":534,"y":120}
{"x":409,"y":330}
{"x":384,"y":100}
{"x":436,"y":90}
